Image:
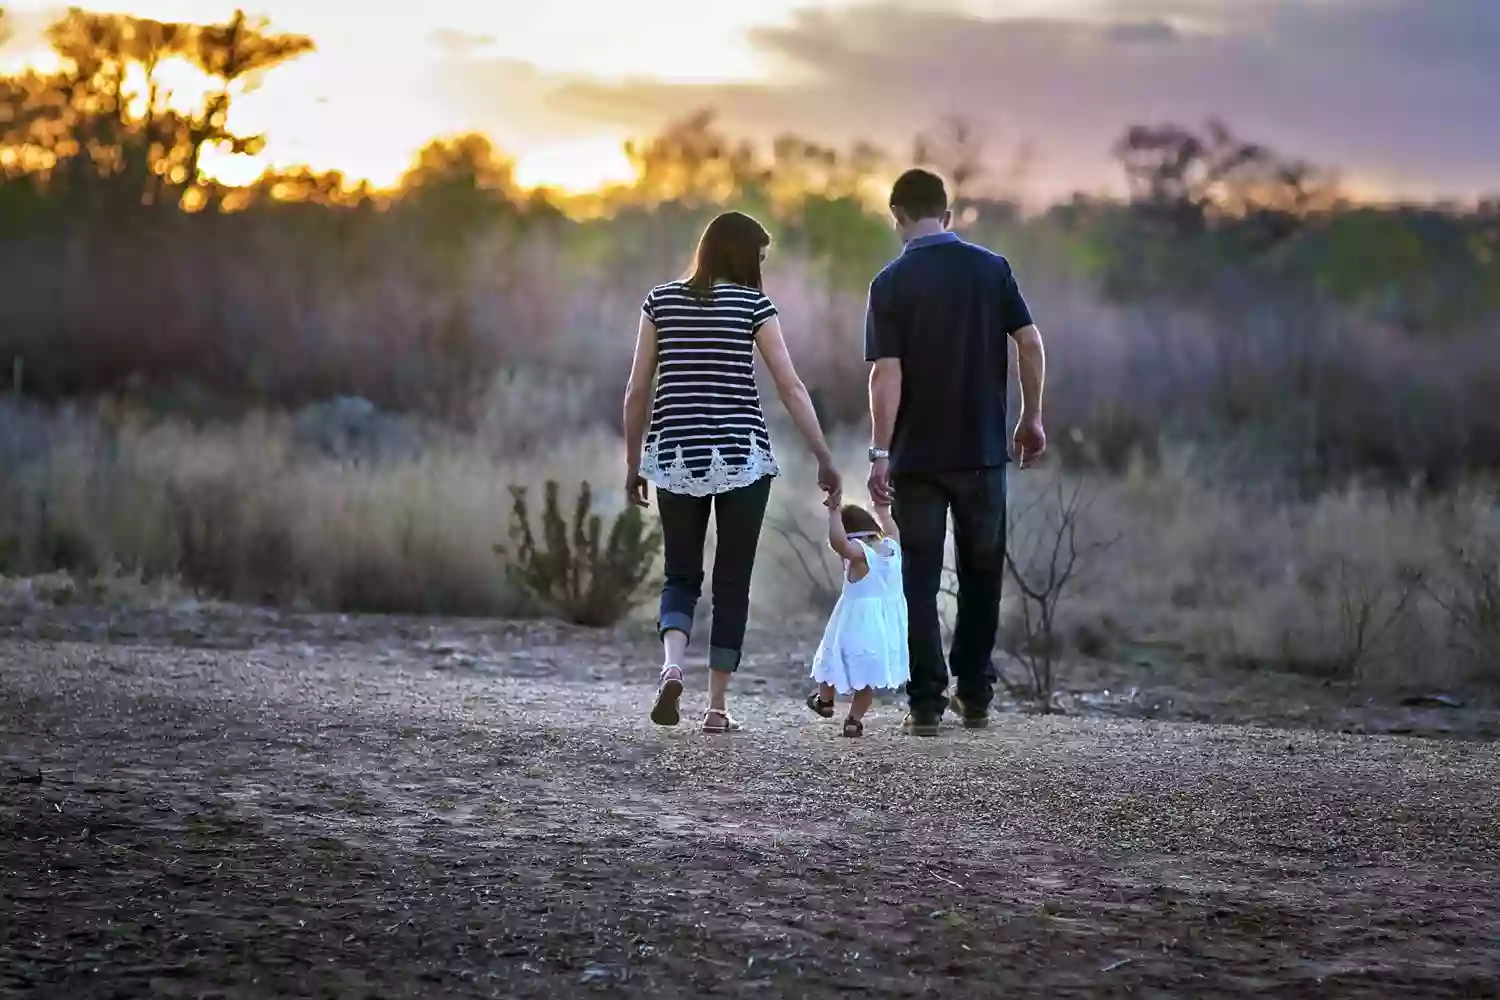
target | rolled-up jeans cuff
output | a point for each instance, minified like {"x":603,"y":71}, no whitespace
{"x":674,"y":620}
{"x":725,"y":661}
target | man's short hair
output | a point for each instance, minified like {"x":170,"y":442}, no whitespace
{"x":920,"y":194}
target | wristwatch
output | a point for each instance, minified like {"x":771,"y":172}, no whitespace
{"x":876,"y":454}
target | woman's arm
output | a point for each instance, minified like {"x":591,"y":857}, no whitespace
{"x":838,"y":540}
{"x":638,"y":406}
{"x":793,"y":393}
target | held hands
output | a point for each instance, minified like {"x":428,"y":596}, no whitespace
{"x":879,"y":483}
{"x":830,"y":482}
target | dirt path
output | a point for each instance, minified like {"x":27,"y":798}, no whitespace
{"x":355,"y":818}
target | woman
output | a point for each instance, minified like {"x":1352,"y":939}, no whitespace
{"x":706,"y":448}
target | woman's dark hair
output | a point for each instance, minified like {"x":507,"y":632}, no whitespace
{"x":729,"y":250}
{"x":858,"y":521}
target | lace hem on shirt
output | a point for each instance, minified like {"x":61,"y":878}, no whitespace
{"x":720,"y":477}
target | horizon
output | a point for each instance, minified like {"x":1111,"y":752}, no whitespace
{"x":560,"y":93}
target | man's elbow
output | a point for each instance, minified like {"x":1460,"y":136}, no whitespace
{"x":885,"y":372}
{"x":1028,"y":338}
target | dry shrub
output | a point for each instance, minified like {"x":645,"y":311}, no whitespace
{"x":1215,"y":572}
{"x":577,"y":572}
{"x":239,"y":512}
{"x":1332,"y":587}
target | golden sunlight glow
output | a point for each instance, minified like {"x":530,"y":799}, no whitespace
{"x":371,"y":94}
{"x":575,"y":167}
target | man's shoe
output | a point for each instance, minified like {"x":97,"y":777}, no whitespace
{"x":971,"y":720}
{"x":922,"y":724}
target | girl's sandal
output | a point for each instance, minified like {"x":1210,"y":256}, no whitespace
{"x":665,"y":711}
{"x":819,"y":706}
{"x":719,"y":721}
{"x":853,"y":728}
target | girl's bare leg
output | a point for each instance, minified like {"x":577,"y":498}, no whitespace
{"x":861,"y":703}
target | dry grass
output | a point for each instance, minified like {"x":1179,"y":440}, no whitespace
{"x":1355,"y":585}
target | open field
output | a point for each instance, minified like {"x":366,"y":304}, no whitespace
{"x":252,"y":804}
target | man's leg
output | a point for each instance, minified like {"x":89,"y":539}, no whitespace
{"x":979,"y":545}
{"x":921,"y":513}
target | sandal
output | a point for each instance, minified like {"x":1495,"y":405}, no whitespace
{"x":668,"y":694}
{"x":717,"y":720}
{"x":853,"y":727}
{"x":819,"y":706}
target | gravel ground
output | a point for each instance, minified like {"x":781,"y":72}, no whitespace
{"x":388,"y":810}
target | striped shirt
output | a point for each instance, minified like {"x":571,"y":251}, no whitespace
{"x":707,"y":434}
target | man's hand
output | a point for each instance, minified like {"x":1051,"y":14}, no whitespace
{"x":636,"y":489}
{"x":1030,"y":440}
{"x":880,"y":482}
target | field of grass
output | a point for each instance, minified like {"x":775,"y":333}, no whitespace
{"x":1391,"y":589}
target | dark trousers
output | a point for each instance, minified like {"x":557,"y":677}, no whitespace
{"x":977,"y":501}
{"x":684,"y":526}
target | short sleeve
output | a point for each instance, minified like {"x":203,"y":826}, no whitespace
{"x":649,"y":305}
{"x":1014,"y":313}
{"x":882,"y":334}
{"x":764,"y":310}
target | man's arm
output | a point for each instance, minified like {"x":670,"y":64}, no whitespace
{"x":1029,"y":440}
{"x":885,"y":400}
{"x":1031,"y":367}
{"x":883,"y":351}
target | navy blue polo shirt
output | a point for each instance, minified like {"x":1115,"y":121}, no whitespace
{"x":946,"y":309}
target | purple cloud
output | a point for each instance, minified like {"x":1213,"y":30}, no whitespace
{"x":1399,"y":93}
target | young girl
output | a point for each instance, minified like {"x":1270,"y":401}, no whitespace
{"x":864,"y":645}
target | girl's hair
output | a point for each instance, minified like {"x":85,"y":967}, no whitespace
{"x":858,"y":521}
{"x":729,"y":250}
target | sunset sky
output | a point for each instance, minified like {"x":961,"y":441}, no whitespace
{"x":1397,"y":94}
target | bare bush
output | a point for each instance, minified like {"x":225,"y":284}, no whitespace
{"x":805,"y":561}
{"x":1472,"y":602}
{"x":1371,"y":608}
{"x":1051,"y":568}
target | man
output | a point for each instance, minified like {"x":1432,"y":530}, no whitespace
{"x":935,"y":334}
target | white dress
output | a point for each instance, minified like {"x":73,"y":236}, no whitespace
{"x":864,"y":644}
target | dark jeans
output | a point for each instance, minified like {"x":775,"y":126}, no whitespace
{"x":684,"y":526}
{"x":977,"y":500}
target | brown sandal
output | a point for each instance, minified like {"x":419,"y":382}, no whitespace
{"x":853,"y":727}
{"x":819,"y":706}
{"x":725,"y":722}
{"x":665,"y":712}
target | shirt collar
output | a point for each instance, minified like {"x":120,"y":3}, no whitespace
{"x":930,"y":241}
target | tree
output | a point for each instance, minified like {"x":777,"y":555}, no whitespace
{"x":1186,"y":179}
{"x":692,"y":162}
{"x":102,"y":132}
{"x":459,"y":185}
{"x":955,"y":150}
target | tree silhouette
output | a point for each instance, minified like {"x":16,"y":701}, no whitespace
{"x":102,"y":132}
{"x":954,"y":149}
{"x":1185,"y":178}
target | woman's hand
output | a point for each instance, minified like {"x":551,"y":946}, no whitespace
{"x":637,"y":492}
{"x":829,"y":480}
